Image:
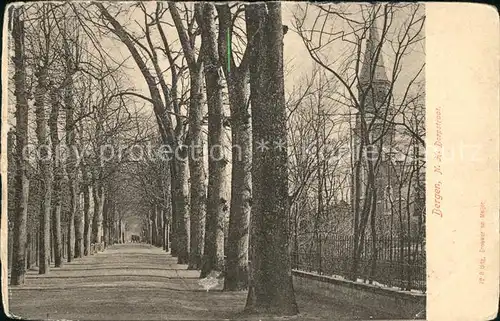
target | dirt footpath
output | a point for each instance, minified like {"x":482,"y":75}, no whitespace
{"x":140,"y":282}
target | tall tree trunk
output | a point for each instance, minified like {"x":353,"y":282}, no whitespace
{"x":373,"y":234}
{"x":147,"y":233}
{"x":194,"y":139}
{"x":196,"y":172}
{"x":159,"y":228}
{"x":58,"y":175}
{"x":79,"y":228}
{"x":166,"y":236}
{"x":369,"y":202}
{"x":295,"y":255}
{"x":175,"y":215}
{"x":319,"y":199}
{"x":154,"y":226}
{"x":152,"y":215}
{"x":44,"y":165}
{"x":167,"y":207}
{"x":21,"y":182}
{"x":116,"y":235}
{"x":98,"y":190}
{"x":149,"y":239}
{"x":196,"y":166}
{"x":112,"y":222}
{"x":162,"y":229}
{"x":120,"y":231}
{"x":179,"y":182}
{"x":70,"y":236}
{"x":105,"y":218}
{"x":70,"y":142}
{"x":270,"y":286}
{"x":113,"y":234}
{"x":236,"y":277}
{"x":241,"y":185}
{"x":87,"y":228}
{"x":217,"y":204}
{"x":98,"y":195}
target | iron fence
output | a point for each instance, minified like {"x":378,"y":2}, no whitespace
{"x":396,"y":262}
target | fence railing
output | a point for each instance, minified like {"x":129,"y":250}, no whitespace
{"x":396,"y":262}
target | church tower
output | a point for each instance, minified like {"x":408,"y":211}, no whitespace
{"x":373,"y":99}
{"x":373,"y":88}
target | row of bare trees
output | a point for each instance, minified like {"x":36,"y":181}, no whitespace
{"x":61,"y":184}
{"x":200,"y":70}
{"x":60,"y":51}
{"x":199,"y":211}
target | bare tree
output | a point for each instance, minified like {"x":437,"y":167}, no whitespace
{"x":70,"y":128}
{"x":194,"y":139}
{"x":216,"y":203}
{"x":87,"y":229}
{"x":43,"y":51}
{"x":21,"y":179}
{"x":58,"y":171}
{"x":237,"y":77}
{"x":270,"y":286}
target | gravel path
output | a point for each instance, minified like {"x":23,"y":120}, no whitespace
{"x":140,"y":282}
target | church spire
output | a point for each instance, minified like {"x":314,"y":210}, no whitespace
{"x":372,"y":53}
